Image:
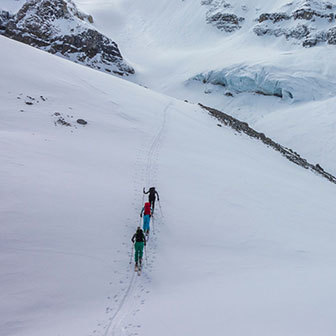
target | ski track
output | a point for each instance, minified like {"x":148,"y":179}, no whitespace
{"x":133,"y":296}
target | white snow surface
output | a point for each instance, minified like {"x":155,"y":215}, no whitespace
{"x":244,"y":239}
{"x":168,"y":42}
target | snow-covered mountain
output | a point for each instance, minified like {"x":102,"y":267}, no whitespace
{"x":272,"y":82}
{"x":242,"y":240}
{"x":60,"y":28}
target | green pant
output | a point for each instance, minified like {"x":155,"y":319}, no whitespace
{"x":138,"y":247}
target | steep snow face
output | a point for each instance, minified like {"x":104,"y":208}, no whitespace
{"x":244,"y":239}
{"x":60,"y":28}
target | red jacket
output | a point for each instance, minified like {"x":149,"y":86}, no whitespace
{"x":147,"y":210}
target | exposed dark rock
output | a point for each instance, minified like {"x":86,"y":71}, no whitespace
{"x":309,"y":14}
{"x":243,"y":127}
{"x":274,"y":17}
{"x":61,"y":121}
{"x":81,"y":121}
{"x":225,"y":21}
{"x":220,"y":15}
{"x":4,"y":19}
{"x":331,"y":35}
{"x":40,"y":23}
{"x":286,"y":23}
{"x":216,"y":4}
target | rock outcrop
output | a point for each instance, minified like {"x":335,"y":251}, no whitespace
{"x":4,"y":19}
{"x":221,"y":15}
{"x":309,"y":22}
{"x":289,"y":154}
{"x":58,"y":27}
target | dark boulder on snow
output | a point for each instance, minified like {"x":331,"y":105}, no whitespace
{"x":81,"y":121}
{"x":60,"y":28}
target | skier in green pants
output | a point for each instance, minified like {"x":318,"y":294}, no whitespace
{"x":140,"y":241}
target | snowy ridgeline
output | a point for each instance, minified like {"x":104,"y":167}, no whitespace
{"x":269,"y":80}
{"x":60,"y":28}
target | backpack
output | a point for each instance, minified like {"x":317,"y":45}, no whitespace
{"x":147,"y":210}
{"x":139,"y":236}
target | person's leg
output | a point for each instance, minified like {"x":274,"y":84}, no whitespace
{"x":146,"y":223}
{"x":136,"y":253}
{"x":152,"y":202}
{"x":141,"y":246}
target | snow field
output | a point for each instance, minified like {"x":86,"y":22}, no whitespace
{"x":168,"y":42}
{"x":243,"y":245}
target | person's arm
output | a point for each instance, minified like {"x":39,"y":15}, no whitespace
{"x":145,"y":192}
{"x":157,"y":195}
{"x":143,"y":209}
{"x":133,"y":238}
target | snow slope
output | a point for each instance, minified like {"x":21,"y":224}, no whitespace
{"x":244,"y":239}
{"x":168,"y":42}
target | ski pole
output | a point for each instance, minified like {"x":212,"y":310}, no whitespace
{"x":153,"y":225}
{"x":131,"y":254}
{"x":160,"y":208}
{"x":146,"y":255}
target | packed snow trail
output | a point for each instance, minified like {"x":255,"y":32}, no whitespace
{"x":129,"y":300}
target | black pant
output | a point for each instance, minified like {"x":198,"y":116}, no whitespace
{"x":152,"y":202}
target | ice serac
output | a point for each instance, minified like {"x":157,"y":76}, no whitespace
{"x":308,"y":22}
{"x":60,"y":28}
{"x":269,"y":80}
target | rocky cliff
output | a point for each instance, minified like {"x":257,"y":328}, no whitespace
{"x":60,"y":28}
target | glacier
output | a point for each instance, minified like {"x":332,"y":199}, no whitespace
{"x":270,"y":81}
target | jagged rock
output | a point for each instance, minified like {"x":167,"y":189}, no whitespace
{"x":4,"y":19}
{"x":225,"y":21}
{"x":274,"y":17}
{"x":40,"y":23}
{"x":331,"y":35}
{"x":289,"y":154}
{"x":219,"y":16}
{"x":285,"y":23}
